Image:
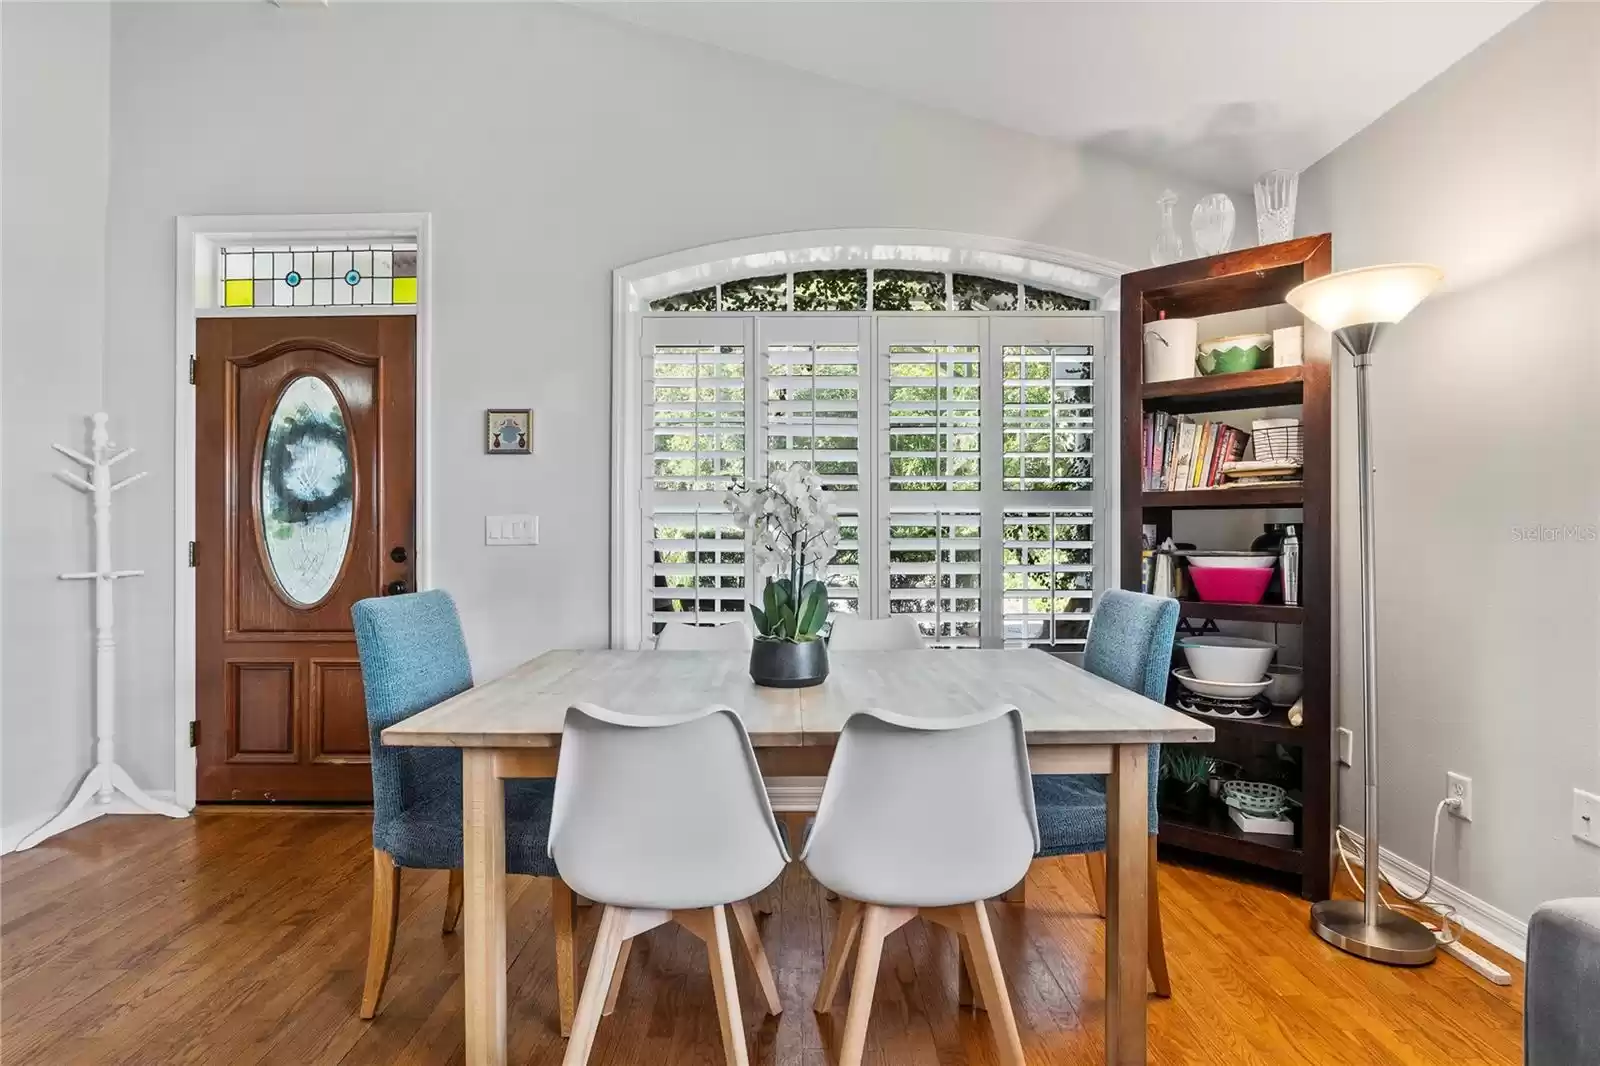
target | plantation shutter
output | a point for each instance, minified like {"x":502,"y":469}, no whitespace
{"x":696,"y":409}
{"x":813,"y":410}
{"x":1052,"y":480}
{"x":929,"y":511}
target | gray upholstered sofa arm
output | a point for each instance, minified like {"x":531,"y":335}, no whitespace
{"x":1562,"y":1019}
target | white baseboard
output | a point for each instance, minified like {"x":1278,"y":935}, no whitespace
{"x":1486,"y":921}
{"x":12,"y":835}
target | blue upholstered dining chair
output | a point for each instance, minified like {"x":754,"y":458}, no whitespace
{"x":1130,"y":643}
{"x":413,"y":656}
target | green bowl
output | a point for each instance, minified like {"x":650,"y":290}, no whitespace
{"x":1232,"y":360}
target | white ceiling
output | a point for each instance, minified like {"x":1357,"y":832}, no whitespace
{"x":1216,"y":91}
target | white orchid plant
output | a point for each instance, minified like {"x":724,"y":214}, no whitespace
{"x":793,"y":528}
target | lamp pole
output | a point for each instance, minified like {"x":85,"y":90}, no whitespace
{"x":1367,"y":928}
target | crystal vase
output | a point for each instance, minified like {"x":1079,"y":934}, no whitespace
{"x":1275,"y":196}
{"x":1212,"y":224}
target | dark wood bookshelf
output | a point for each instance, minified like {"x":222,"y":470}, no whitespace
{"x":1217,"y":835}
{"x":1218,"y":499}
{"x":1273,"y":387}
{"x":1235,"y":281}
{"x":1271,"y":613}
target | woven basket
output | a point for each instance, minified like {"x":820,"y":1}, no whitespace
{"x":1279,"y":440}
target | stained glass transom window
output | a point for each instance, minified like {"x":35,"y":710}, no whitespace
{"x":382,"y":273}
{"x":875,"y":289}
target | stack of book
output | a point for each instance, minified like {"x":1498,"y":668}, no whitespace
{"x":1180,"y":453}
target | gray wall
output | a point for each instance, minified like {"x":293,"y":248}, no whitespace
{"x":551,"y":145}
{"x":54,"y":100}
{"x":1485,"y":407}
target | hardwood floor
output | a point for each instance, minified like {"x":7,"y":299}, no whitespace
{"x":240,"y":937}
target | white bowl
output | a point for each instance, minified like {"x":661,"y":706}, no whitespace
{"x":1263,"y":561}
{"x":1220,"y":690}
{"x":1231,"y":660}
{"x":1242,"y":340}
{"x":1284,"y":685}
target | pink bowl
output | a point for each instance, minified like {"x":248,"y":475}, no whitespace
{"x":1231,"y":584}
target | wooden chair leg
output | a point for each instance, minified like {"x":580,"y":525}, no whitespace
{"x":452,"y":903}
{"x":608,"y":940}
{"x":561,"y":901}
{"x":992,"y":983}
{"x":1158,"y":944}
{"x":711,"y":926}
{"x":1095,"y":861}
{"x":838,"y":955}
{"x":968,"y":994}
{"x":616,"y":976}
{"x":757,"y":952}
{"x":385,"y":919}
{"x":876,"y":924}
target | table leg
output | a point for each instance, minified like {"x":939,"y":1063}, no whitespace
{"x":1127,"y":904}
{"x":483,"y":818}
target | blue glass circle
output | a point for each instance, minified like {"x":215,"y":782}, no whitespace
{"x":352,"y":277}
{"x":292,"y":278}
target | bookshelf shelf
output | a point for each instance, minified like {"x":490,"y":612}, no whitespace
{"x":1273,"y":387}
{"x":1217,"y":835}
{"x":1245,"y":496}
{"x":1235,"y":281}
{"x":1274,"y":727}
{"x":1273,"y":613}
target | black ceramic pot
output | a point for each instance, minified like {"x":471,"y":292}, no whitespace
{"x":780,"y":664}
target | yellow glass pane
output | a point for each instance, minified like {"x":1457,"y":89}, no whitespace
{"x":405,"y":290}
{"x":240,"y":293}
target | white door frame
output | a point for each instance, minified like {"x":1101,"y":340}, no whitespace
{"x":195,"y":296}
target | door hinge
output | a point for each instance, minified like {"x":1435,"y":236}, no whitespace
{"x":191,"y":370}
{"x":194,"y":733}
{"x":192,"y":552}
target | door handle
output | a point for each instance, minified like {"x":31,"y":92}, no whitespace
{"x":395,"y":588}
{"x":398,"y":553}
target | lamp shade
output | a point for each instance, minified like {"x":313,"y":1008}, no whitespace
{"x":1375,"y":294}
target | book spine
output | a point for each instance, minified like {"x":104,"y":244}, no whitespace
{"x":1144,"y":467}
{"x":1173,"y":429}
{"x":1158,"y":449}
{"x":1214,"y":468}
{"x":1185,"y":449}
{"x":1202,"y":441}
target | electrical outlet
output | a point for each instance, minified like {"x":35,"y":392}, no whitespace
{"x":1586,"y":816}
{"x":1459,"y":787}
{"x":1347,"y":747}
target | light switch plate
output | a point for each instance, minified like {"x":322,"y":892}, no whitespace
{"x":1586,"y":816}
{"x":503,"y":530}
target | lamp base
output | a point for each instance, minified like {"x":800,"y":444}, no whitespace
{"x":1396,"y":939}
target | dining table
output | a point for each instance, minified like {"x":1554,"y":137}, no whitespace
{"x":1075,"y":722}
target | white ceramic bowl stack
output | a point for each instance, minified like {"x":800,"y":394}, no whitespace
{"x":1224,"y":667}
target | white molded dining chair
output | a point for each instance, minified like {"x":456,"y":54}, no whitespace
{"x":664,"y":819}
{"x":923,"y":816}
{"x":850,"y":633}
{"x":726,"y":636}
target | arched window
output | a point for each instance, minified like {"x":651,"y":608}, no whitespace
{"x":946,"y":386}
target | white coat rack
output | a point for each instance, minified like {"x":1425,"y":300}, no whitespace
{"x":106,"y":782}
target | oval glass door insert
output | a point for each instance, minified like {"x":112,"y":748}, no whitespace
{"x":307,"y":484}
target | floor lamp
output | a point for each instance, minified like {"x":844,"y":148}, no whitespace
{"x":1356,"y":306}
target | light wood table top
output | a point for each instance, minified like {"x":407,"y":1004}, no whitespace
{"x":1060,"y":703}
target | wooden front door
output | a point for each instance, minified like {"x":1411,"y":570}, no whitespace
{"x":305,"y":486}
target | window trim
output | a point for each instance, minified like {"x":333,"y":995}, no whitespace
{"x":634,"y":286}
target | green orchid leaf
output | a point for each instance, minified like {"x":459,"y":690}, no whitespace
{"x":760,"y":617}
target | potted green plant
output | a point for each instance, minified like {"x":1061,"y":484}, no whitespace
{"x":1185,"y":774}
{"x":793,"y":529}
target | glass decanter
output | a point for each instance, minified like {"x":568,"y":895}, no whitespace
{"x":1169,"y":246}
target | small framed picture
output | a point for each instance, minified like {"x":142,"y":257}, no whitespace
{"x":509,"y":433}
